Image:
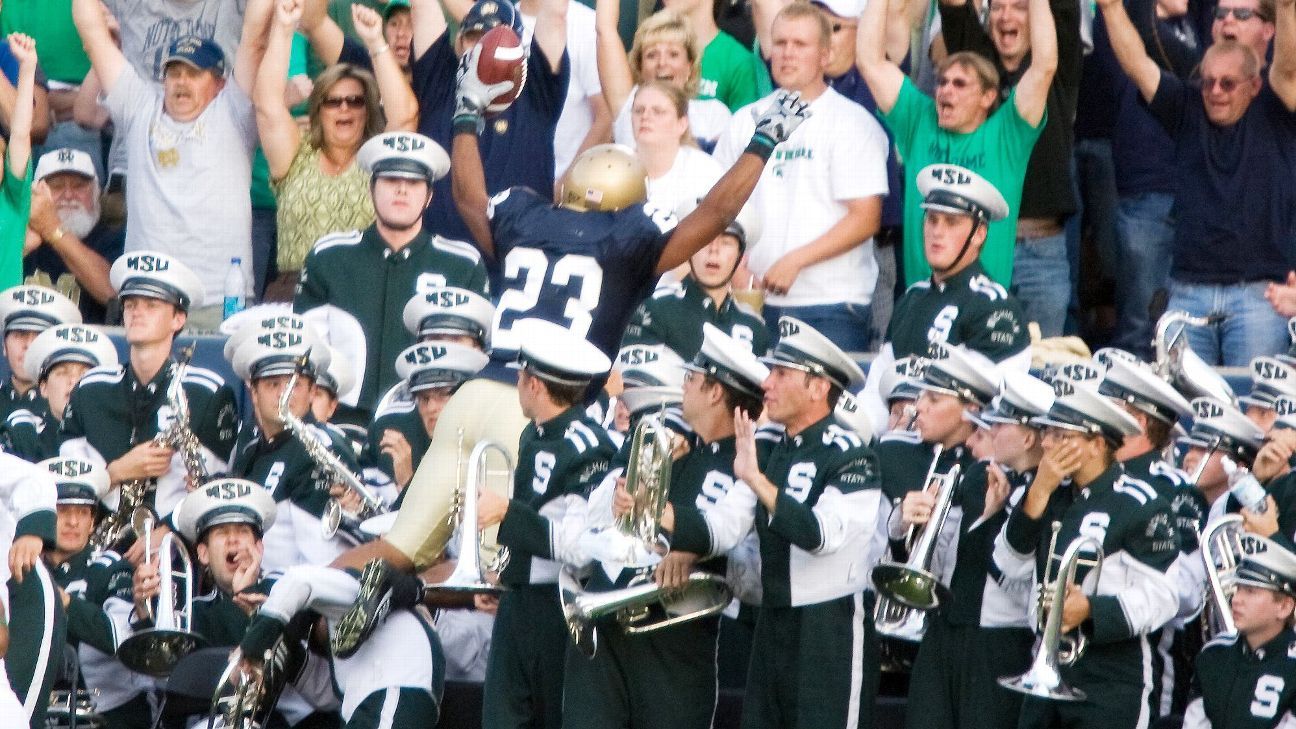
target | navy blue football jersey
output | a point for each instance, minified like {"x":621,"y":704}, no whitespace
{"x":586,"y":271}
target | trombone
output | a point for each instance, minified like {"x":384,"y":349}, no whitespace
{"x":1044,"y":677}
{"x":469,"y":575}
{"x":155,"y":651}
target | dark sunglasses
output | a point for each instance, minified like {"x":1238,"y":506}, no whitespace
{"x":1227,"y":84}
{"x":337,"y":102}
{"x":958,"y":83}
{"x":1222,"y":12}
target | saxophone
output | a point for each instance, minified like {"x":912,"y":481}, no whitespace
{"x":333,"y":468}
{"x":115,"y":528}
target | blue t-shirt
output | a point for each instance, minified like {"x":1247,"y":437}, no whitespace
{"x":1234,"y":201}
{"x":107,"y":241}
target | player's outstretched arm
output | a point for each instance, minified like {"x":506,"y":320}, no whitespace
{"x":467,"y":176}
{"x":730,"y":193}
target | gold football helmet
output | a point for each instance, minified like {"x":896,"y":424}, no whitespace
{"x":605,"y":178}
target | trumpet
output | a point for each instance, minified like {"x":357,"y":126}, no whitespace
{"x":703,"y":595}
{"x":635,"y":538}
{"x":1224,"y":544}
{"x":155,"y":651}
{"x":1044,"y":677}
{"x":469,"y":575}
{"x":912,"y":583}
{"x":328,"y":462}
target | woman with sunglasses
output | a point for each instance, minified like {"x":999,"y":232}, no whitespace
{"x":665,"y":49}
{"x":313,"y":170}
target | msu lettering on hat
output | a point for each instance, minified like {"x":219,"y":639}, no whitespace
{"x":404,"y":154}
{"x":1021,"y":397}
{"x":224,"y":501}
{"x":339,"y":378}
{"x":155,"y":275}
{"x":1271,"y":567}
{"x":276,"y":346}
{"x":68,"y":343}
{"x":653,"y":376}
{"x":201,"y":53}
{"x":557,"y":354}
{"x":899,"y":381}
{"x":959,"y":371}
{"x":35,"y":309}
{"x":852,"y":417}
{"x":79,"y":482}
{"x":1271,"y":378}
{"x":1221,"y":425}
{"x":429,"y":365}
{"x":801,"y":346}
{"x":730,"y":361}
{"x":1083,"y":409}
{"x":953,"y":189}
{"x":447,"y":310}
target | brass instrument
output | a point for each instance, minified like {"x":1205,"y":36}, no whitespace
{"x":114,"y":529}
{"x":469,"y":575}
{"x":1224,"y":543}
{"x":245,"y":699}
{"x":155,"y":651}
{"x":1182,"y":367}
{"x":912,"y":583}
{"x":1044,"y":677}
{"x":635,"y":539}
{"x":73,"y":709}
{"x":705,"y":594}
{"x":334,"y":469}
{"x":892,"y":618}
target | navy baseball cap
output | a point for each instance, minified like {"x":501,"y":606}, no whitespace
{"x":201,"y":53}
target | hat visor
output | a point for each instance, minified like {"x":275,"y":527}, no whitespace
{"x":994,"y":416}
{"x":945,"y":208}
{"x":1255,"y":402}
{"x":76,"y":501}
{"x":1262,"y":584}
{"x":28,"y":322}
{"x":402,"y":174}
{"x":1045,"y":421}
{"x":925,"y":386}
{"x":435,"y":384}
{"x":188,"y":62}
{"x":150,"y":289}
{"x":977,"y":420}
{"x":280,"y":369}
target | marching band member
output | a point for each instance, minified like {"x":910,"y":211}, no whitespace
{"x":1271,"y":378}
{"x":959,"y":304}
{"x":27,"y":524}
{"x":621,"y":685}
{"x":26,"y":311}
{"x":56,"y":361}
{"x":1219,"y":430}
{"x":1157,"y":407}
{"x":265,"y":353}
{"x":1080,"y":487}
{"x":813,"y":495}
{"x":402,"y":425}
{"x":1248,"y":679}
{"x":673,"y":315}
{"x":330,"y":385}
{"x":115,"y":413}
{"x":898,"y":392}
{"x":982,"y":633}
{"x":86,"y":578}
{"x":358,"y":281}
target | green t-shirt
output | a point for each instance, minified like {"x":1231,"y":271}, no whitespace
{"x":728,"y":73}
{"x":998,"y":150}
{"x":49,"y":22}
{"x":15,"y":206}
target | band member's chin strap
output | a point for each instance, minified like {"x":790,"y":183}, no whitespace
{"x":977,"y":222}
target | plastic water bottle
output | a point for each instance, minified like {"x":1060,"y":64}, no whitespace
{"x":1244,"y":486}
{"x":235,"y":288}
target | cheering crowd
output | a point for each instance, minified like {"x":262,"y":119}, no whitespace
{"x":554,"y":383}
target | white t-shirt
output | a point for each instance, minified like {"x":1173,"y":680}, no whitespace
{"x":708,"y":118}
{"x":576,"y":118}
{"x":837,"y":154}
{"x":188,"y":191}
{"x":149,"y":26}
{"x":691,"y":177}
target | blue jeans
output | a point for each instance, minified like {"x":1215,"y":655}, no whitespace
{"x":849,"y":326}
{"x":1042,"y":281}
{"x":1249,"y":328}
{"x":1145,"y":240}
